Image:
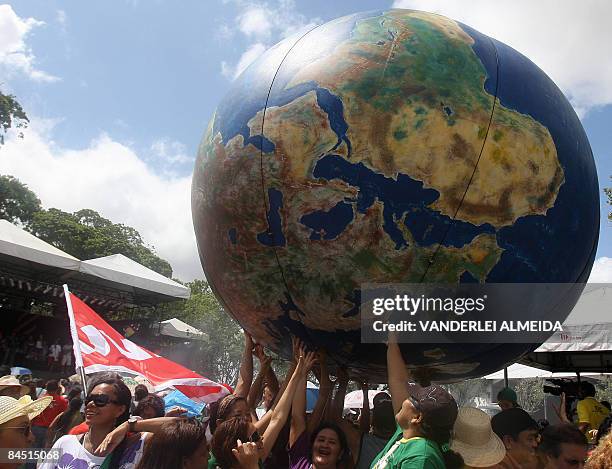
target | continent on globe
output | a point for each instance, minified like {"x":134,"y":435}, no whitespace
{"x":390,"y":147}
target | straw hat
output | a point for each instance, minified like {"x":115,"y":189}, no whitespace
{"x":10,"y":381}
{"x":473,"y":438}
{"x":12,"y":408}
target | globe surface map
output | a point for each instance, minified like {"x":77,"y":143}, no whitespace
{"x":389,"y":147}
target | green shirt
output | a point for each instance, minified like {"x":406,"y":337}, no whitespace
{"x":411,"y":453}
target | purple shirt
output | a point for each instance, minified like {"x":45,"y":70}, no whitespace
{"x":299,"y":453}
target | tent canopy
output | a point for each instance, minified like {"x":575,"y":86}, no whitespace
{"x":518,"y":370}
{"x":20,"y":244}
{"x":176,"y":328}
{"x":586,"y":341}
{"x":121,"y":269}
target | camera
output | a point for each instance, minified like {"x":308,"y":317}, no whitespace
{"x":570,"y":387}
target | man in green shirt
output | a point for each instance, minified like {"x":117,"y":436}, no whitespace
{"x":425,"y":417}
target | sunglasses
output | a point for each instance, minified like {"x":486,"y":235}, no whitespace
{"x":25,"y":430}
{"x":100,"y":400}
{"x":255,"y":437}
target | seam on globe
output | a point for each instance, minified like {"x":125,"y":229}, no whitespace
{"x":261,"y":169}
{"x":450,"y":227}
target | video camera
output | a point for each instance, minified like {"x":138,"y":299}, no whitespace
{"x":570,"y":387}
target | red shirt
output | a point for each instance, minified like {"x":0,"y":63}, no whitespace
{"x":58,"y":405}
{"x":79,"y":429}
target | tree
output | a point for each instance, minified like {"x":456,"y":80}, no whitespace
{"x":11,"y":115}
{"x":222,"y":350}
{"x":530,"y":393}
{"x":465,"y":392}
{"x":608,"y":191}
{"x":18,"y":204}
{"x":604,"y":389}
{"x":86,"y":234}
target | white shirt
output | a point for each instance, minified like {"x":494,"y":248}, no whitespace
{"x":74,"y":454}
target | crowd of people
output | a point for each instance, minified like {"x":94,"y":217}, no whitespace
{"x":53,"y":355}
{"x":408,"y":426}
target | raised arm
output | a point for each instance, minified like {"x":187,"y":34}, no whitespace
{"x":338,"y":403}
{"x":364,"y":418}
{"x":115,"y":437}
{"x":245,"y":376}
{"x":397,"y":374}
{"x":281,"y":411}
{"x":257,"y":388}
{"x":298,"y":406}
{"x":325,"y":389}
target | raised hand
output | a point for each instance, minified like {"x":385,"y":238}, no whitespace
{"x":246,"y":454}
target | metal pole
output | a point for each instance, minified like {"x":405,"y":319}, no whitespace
{"x":506,"y":377}
{"x":78,"y":358}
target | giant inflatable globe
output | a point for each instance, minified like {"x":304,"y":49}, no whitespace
{"x":389,"y":147}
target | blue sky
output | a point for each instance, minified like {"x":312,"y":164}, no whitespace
{"x":119,"y":93}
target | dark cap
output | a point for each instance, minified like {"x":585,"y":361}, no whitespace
{"x":381,"y":398}
{"x":512,"y":422}
{"x":437,"y":406}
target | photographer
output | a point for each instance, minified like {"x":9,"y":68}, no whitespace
{"x":590,"y":412}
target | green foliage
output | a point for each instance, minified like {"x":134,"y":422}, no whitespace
{"x":465,"y":392}
{"x":604,"y":389}
{"x":608,"y":191}
{"x":11,"y":115}
{"x":222,"y":350}
{"x":87,"y":235}
{"x":530,"y":393}
{"x":18,"y":204}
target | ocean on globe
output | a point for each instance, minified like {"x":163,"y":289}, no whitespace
{"x":389,"y":147}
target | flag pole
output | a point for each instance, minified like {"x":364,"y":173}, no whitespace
{"x":78,"y":358}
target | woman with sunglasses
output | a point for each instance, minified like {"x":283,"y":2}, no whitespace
{"x":106,"y":407}
{"x":227,"y":442}
{"x":15,"y":426}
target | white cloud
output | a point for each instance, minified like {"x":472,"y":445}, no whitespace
{"x":15,"y":55}
{"x":112,"y":179}
{"x":255,"y":22}
{"x":565,"y":39}
{"x":170,"y":154}
{"x":602,"y":270}
{"x":254,"y":51}
{"x":262,"y":24}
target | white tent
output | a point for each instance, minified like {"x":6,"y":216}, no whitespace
{"x":354,"y":399}
{"x":588,"y":328}
{"x":585,"y":344}
{"x":518,"y":370}
{"x":20,"y":244}
{"x":176,"y":328}
{"x":121,"y":269}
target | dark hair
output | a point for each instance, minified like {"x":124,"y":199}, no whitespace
{"x":140,"y":392}
{"x":124,"y":398}
{"x":604,"y":428}
{"x":52,"y":386}
{"x":74,"y":392}
{"x":153,"y":401}
{"x":226,"y":405}
{"x":554,"y":435}
{"x":383,"y":418}
{"x":587,"y":388}
{"x":345,"y":451}
{"x":441,"y":436}
{"x":213,"y":409}
{"x":74,"y":407}
{"x":224,"y":440}
{"x":175,"y":441}
{"x":606,"y":404}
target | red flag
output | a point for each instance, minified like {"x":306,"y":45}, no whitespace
{"x":99,"y":347}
